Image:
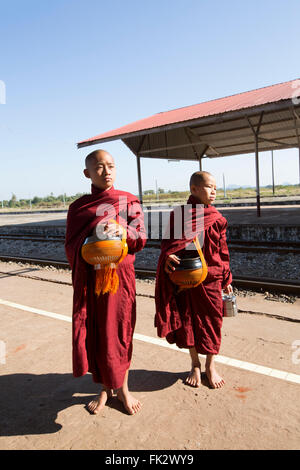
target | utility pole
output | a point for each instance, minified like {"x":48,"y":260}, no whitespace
{"x":224,"y":186}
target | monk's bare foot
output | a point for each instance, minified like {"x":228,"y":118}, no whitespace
{"x":215,"y":380}
{"x":194,"y":377}
{"x":131,"y":404}
{"x":95,"y":406}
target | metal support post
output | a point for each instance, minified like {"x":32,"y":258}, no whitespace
{"x":273,"y":184}
{"x":257,"y":176}
{"x":299,"y":165}
{"x":200,"y":163}
{"x":255,"y":133}
{"x":139,"y":178}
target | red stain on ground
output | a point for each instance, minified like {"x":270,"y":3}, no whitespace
{"x":242,"y":389}
{"x":242,"y":392}
{"x":19,"y":348}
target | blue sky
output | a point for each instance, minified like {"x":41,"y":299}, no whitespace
{"x":75,"y":69}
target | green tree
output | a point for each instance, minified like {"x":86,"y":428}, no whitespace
{"x":148,"y":191}
{"x":13,"y":201}
{"x":36,"y":200}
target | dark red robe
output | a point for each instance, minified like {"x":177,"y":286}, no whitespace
{"x":193,"y":317}
{"x":103,"y":326}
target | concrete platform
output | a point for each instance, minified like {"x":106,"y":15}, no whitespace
{"x":276,"y":223}
{"x":284,"y":215}
{"x":274,"y":215}
{"x":43,"y":406}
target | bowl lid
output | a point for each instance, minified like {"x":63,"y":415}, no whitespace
{"x":189,"y":263}
{"x":95,"y":238}
{"x":228,"y":297}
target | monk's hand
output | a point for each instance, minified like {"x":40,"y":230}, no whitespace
{"x":99,"y":231}
{"x":113,"y":230}
{"x":228,"y":289}
{"x":170,"y":261}
{"x":102,"y":231}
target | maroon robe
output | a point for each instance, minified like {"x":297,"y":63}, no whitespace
{"x":193,"y":317}
{"x":103,"y":326}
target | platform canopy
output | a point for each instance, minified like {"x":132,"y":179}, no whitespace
{"x":259,"y":120}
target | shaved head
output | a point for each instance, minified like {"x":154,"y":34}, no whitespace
{"x":199,"y":177}
{"x":96,"y":156}
{"x":101,"y":169}
{"x":203,"y":187}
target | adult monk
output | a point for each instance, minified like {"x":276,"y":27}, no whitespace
{"x":192,"y":318}
{"x":103,"y":324}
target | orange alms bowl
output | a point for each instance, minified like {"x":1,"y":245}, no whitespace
{"x":95,"y":251}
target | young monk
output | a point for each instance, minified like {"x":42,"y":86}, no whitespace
{"x":103,"y":324}
{"x":192,"y":318}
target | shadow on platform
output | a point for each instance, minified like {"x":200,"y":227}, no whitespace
{"x":30,"y":403}
{"x":17,"y":272}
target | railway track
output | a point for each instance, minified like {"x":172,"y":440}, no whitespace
{"x":249,"y":283}
{"x":233,"y":245}
{"x":33,"y":238}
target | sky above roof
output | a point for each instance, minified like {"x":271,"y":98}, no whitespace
{"x":71,"y":70}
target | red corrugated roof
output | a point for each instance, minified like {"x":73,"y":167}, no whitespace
{"x":249,"y":99}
